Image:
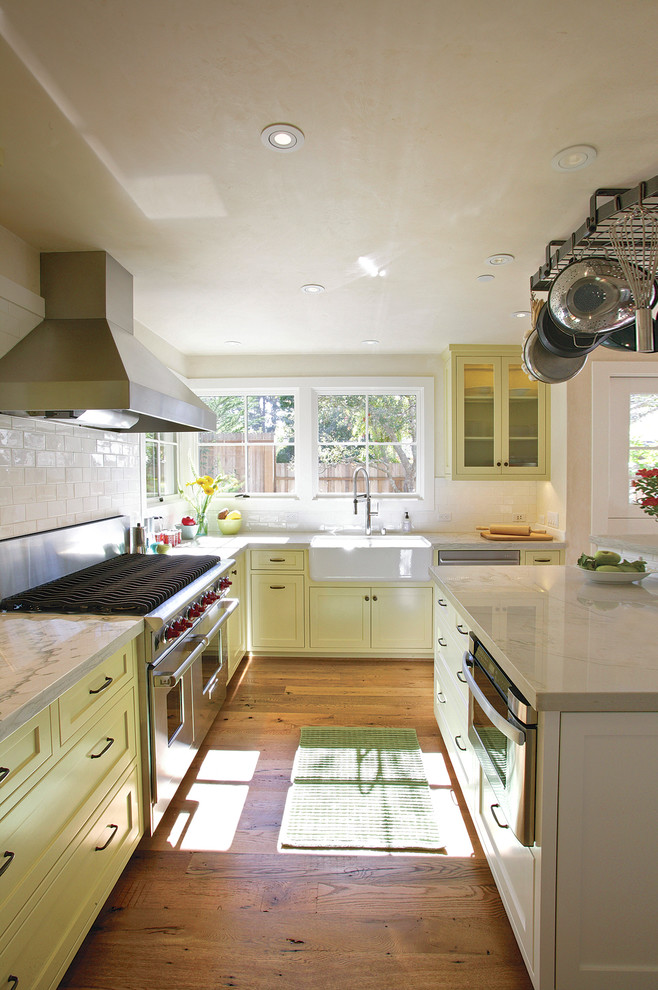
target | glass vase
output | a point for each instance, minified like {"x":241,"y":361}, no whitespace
{"x":202,"y":521}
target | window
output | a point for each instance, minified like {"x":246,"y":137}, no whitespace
{"x":161,"y":464}
{"x":377,"y":430}
{"x":253,"y":444}
{"x":303,"y":438}
{"x":625,"y":438}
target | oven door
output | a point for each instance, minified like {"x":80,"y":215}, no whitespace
{"x":505,"y":746}
{"x":210,"y":675}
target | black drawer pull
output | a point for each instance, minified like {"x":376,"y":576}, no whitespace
{"x":8,"y":856}
{"x":442,"y":642}
{"x":441,"y":698}
{"x":495,"y":817}
{"x":13,"y":980}
{"x":277,"y":560}
{"x":441,"y":602}
{"x":277,"y":587}
{"x":460,"y":677}
{"x":542,"y":560}
{"x":115,"y":830}
{"x":108,"y":743}
{"x":4,"y":772}
{"x":106,"y":684}
{"x":459,"y":745}
{"x":464,"y":632}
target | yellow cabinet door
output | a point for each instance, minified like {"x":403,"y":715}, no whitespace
{"x":401,"y":618}
{"x":277,"y":611}
{"x":236,"y":630}
{"x":499,"y":416}
{"x":339,"y":617}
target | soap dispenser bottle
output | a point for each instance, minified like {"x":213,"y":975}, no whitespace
{"x":406,"y":523}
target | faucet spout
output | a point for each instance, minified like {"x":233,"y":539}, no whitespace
{"x":363,"y":495}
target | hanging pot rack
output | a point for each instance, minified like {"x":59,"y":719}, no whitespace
{"x":593,"y":237}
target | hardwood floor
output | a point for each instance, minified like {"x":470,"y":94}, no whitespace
{"x":209,"y":903}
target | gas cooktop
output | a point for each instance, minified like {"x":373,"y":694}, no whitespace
{"x":130,"y":584}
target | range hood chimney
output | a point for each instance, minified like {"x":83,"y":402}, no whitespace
{"x":84,"y":365}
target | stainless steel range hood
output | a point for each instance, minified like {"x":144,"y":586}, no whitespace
{"x":84,"y":365}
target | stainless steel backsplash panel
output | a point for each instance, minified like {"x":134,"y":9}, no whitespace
{"x":27,"y":561}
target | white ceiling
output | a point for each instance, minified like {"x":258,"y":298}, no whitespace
{"x":133,"y":126}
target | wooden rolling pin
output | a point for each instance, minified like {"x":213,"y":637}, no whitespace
{"x":507,"y":529}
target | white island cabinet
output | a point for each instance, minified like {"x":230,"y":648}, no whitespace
{"x":582,"y":899}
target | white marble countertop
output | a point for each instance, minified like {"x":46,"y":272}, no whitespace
{"x":42,"y":656}
{"x":640,"y":543}
{"x":300,"y":540}
{"x":568,"y":643}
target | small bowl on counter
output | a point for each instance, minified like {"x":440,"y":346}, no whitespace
{"x":615,"y":577}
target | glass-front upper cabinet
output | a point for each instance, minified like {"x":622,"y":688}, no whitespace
{"x":499,"y":416}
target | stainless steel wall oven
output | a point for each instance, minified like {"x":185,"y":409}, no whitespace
{"x":502,"y":728}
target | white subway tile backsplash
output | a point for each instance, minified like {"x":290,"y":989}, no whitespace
{"x":36,"y":441}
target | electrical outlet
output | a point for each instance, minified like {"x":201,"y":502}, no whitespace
{"x":519,"y":517}
{"x":540,"y":520}
{"x":552,"y":519}
{"x":444,"y":516}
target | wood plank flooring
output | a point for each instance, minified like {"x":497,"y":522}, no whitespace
{"x":209,"y":903}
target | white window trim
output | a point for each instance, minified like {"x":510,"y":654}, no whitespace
{"x":305,"y":391}
{"x":603,"y":519}
{"x":152,"y":501}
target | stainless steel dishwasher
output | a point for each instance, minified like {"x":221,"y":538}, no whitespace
{"x":486,"y":557}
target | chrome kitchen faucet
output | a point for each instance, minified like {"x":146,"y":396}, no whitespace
{"x":364,"y":495}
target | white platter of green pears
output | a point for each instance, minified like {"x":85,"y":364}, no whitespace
{"x":607,"y":567}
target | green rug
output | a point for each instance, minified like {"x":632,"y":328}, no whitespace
{"x":359,"y":788}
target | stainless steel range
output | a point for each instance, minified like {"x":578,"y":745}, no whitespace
{"x":185,"y":604}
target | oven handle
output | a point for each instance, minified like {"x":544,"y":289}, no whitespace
{"x":509,"y":730}
{"x":170,"y":678}
{"x":227,"y":606}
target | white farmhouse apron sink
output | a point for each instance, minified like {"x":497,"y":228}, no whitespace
{"x":370,"y":558}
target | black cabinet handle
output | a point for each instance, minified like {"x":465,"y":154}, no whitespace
{"x":542,"y":560}
{"x":464,"y":632}
{"x":108,"y":743}
{"x":460,"y":677}
{"x":115,"y":830}
{"x":277,"y":587}
{"x":13,"y":980}
{"x":4,"y":772}
{"x":8,"y":856}
{"x":367,"y":598}
{"x":276,"y":560}
{"x":459,"y":745}
{"x":442,"y":642}
{"x":441,"y":602}
{"x":495,"y":817}
{"x":106,"y":684}
{"x":441,"y":698}
{"x":374,"y":598}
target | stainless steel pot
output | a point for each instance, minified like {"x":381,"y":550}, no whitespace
{"x":591,"y":296}
{"x":561,"y":343}
{"x":546,"y":367}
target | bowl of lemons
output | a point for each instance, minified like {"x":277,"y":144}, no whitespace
{"x":229,"y":522}
{"x":607,"y":567}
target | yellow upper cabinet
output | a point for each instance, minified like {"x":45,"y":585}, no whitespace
{"x":497,"y":418}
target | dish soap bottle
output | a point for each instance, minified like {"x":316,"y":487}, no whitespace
{"x":406,"y":523}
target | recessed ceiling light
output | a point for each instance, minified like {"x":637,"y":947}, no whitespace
{"x":282,"y":137}
{"x":370,"y":343}
{"x":486,"y":278}
{"x":312,"y":288}
{"x":521,"y":314}
{"x":575,"y":157}
{"x":500,"y":259}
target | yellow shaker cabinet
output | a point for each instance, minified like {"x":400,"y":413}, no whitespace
{"x":499,"y":417}
{"x":277,"y":611}
{"x":236,"y":626}
{"x":383,"y":619}
{"x":70,"y":821}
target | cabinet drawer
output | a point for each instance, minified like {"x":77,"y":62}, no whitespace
{"x":541,"y":557}
{"x":22,"y":753}
{"x":451,"y":714}
{"x":512,"y":864}
{"x":67,"y":906}
{"x":277,"y":560}
{"x":448,"y":622}
{"x":277,"y":611}
{"x":94,"y":690}
{"x":40,"y":826}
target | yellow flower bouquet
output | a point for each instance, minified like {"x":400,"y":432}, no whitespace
{"x":200,"y":492}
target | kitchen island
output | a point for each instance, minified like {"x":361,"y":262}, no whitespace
{"x":581,"y":898}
